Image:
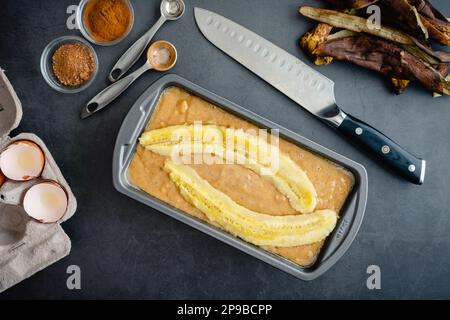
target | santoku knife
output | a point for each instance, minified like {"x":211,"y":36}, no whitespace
{"x":309,"y":88}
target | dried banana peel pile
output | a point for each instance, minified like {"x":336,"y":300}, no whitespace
{"x":398,"y":45}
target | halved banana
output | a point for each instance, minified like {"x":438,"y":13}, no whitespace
{"x":246,"y":149}
{"x":257,"y":228}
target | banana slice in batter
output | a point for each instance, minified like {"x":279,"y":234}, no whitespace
{"x":251,"y":151}
{"x":256,"y":228}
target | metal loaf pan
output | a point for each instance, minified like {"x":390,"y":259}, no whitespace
{"x":336,"y":244}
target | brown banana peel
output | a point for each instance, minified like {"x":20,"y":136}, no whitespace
{"x":311,"y":40}
{"x":399,"y":85}
{"x":351,"y":4}
{"x":354,"y":23}
{"x":437,"y":24}
{"x":400,"y":53}
{"x":386,"y":58}
{"x":403,"y":16}
{"x":439,"y":31}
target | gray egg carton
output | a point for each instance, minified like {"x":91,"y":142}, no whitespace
{"x":26,"y":246}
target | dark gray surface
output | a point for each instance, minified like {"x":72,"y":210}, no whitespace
{"x":126,"y":250}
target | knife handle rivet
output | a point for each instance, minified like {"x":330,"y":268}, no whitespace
{"x":385,"y":149}
{"x":412,"y":168}
{"x":359,"y":131}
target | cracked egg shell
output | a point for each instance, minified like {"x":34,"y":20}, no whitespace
{"x":22,"y":160}
{"x":46,"y":201}
{"x":2,"y":178}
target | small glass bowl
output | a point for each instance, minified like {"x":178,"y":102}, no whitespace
{"x":85,"y":31}
{"x":47,"y":68}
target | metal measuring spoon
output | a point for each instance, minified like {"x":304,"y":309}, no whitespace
{"x":170,"y":10}
{"x":161,"y":56}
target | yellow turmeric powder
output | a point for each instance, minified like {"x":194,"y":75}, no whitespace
{"x":107,"y":20}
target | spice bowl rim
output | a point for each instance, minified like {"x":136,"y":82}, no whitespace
{"x":46,"y":68}
{"x":85,"y":32}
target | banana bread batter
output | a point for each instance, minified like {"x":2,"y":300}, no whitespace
{"x":176,"y":107}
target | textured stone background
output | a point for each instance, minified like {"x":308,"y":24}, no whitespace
{"x":127,"y":250}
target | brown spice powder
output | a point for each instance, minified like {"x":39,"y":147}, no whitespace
{"x":107,"y":20}
{"x":73,"y":64}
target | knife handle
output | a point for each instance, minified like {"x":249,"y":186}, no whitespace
{"x":389,"y":152}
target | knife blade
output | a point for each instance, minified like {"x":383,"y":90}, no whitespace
{"x":307,"y":87}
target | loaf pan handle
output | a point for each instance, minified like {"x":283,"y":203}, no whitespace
{"x":346,"y":229}
{"x":132,"y":125}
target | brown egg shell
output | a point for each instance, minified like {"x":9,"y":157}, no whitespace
{"x":47,"y":181}
{"x":34,"y":145}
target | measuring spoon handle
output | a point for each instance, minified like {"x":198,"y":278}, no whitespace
{"x":110,"y":93}
{"x":132,"y":55}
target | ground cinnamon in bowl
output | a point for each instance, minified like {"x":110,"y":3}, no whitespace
{"x":73,"y":64}
{"x":107,"y":20}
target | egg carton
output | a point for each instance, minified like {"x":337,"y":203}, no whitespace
{"x":26,"y":245}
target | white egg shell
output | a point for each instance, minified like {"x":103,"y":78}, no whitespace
{"x":46,"y":202}
{"x":22,"y":160}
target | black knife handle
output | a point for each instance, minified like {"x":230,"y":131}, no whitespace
{"x":389,"y":152}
